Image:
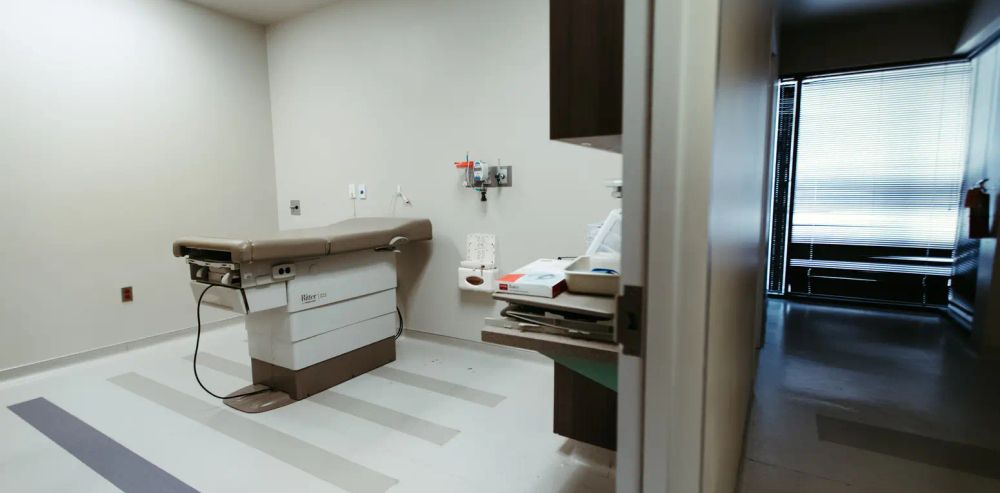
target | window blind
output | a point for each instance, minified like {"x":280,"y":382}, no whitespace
{"x":880,"y":160}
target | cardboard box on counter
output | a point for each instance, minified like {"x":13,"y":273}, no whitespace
{"x":544,"y":277}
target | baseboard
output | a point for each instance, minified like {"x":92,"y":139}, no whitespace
{"x":747,"y":423}
{"x":959,"y":319}
{"x":31,"y":369}
{"x":485,"y":347}
{"x":843,"y":301}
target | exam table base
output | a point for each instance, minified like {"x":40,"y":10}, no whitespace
{"x":300,"y":384}
{"x":258,"y":403}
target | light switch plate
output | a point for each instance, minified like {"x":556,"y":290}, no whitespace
{"x":296,"y":210}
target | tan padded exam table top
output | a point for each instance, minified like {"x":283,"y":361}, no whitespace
{"x":350,"y":235}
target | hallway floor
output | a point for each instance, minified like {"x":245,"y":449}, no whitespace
{"x":862,"y":400}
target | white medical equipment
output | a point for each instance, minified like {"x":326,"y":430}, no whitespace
{"x":480,"y":175}
{"x":606,"y":238}
{"x":599,"y":274}
{"x":320,"y":303}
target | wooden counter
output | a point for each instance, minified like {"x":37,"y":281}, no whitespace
{"x":551,"y":344}
{"x":585,"y":396}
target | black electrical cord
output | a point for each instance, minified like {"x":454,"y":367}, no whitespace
{"x":399,"y":331}
{"x":194,"y":361}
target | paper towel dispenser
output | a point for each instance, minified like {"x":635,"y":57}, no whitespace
{"x":586,"y":45}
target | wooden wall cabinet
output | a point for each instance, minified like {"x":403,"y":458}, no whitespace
{"x":585,"y":62}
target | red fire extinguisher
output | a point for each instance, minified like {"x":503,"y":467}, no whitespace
{"x":978,"y":203}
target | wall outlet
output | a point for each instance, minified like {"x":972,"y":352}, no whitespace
{"x":283,"y":271}
{"x":361,"y":191}
{"x":127,"y":294}
{"x":352,"y":192}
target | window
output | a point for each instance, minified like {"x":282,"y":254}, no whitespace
{"x":781,"y":179}
{"x":877,"y":176}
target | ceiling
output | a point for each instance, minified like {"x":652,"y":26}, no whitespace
{"x":263,"y":11}
{"x":796,"y":11}
{"x":792,"y":11}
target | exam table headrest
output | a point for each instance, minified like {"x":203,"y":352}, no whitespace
{"x":350,"y":235}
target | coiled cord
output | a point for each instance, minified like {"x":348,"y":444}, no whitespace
{"x":194,"y":363}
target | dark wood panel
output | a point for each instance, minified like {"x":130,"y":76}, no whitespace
{"x":299,"y":384}
{"x":584,"y":409}
{"x":585,"y":55}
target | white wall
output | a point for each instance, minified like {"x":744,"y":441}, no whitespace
{"x":984,"y":162}
{"x":739,"y":168}
{"x":982,"y":23}
{"x":123,"y":125}
{"x":391,"y":92}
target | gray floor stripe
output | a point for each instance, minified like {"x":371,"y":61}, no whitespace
{"x":440,"y":386}
{"x":222,"y":365}
{"x":120,"y":466}
{"x":390,"y":418}
{"x":403,"y":423}
{"x":297,"y":453}
{"x":932,"y":451}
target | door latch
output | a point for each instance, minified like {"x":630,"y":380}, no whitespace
{"x":628,"y":322}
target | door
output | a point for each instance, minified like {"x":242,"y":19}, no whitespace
{"x":697,"y":81}
{"x":635,"y":177}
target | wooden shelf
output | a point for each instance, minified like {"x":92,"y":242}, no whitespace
{"x":551,"y":344}
{"x":600,"y":307}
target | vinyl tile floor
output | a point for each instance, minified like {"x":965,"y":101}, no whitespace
{"x":446,"y":416}
{"x":868,"y":400}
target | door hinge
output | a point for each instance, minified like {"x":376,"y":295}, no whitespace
{"x":628,"y":324}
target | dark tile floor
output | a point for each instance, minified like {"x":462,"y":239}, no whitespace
{"x":852,"y":399}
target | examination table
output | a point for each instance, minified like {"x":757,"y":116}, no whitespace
{"x":320,"y":303}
